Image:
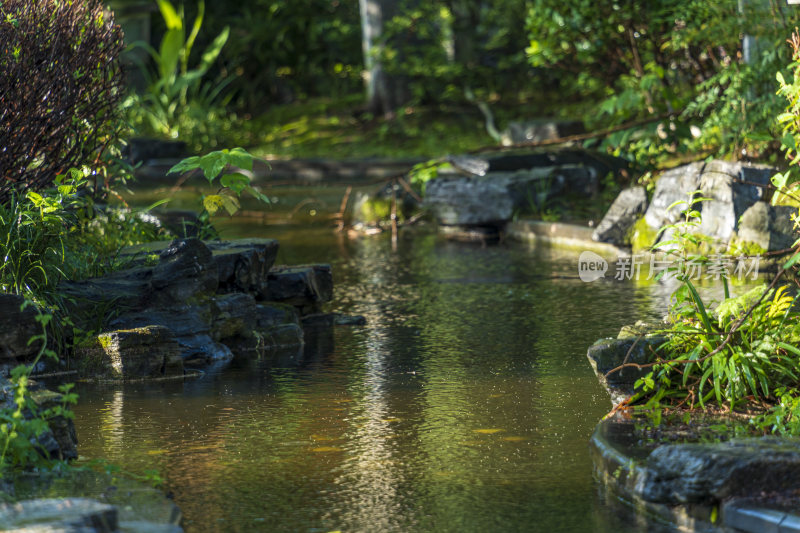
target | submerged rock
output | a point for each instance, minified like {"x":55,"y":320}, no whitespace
{"x":530,"y":131}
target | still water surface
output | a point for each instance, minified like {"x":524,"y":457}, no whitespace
{"x":464,"y":405}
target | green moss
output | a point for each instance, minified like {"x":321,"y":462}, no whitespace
{"x":642,"y":237}
{"x":378,"y":209}
{"x":739,"y":246}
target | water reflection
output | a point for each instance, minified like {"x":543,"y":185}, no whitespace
{"x":465,"y":404}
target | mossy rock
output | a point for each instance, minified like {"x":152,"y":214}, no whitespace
{"x":641,"y":236}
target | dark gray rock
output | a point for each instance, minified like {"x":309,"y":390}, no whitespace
{"x":301,"y":286}
{"x":634,"y":345}
{"x":712,"y":472}
{"x":147,"y":351}
{"x":69,"y":515}
{"x":17,"y":326}
{"x":492,"y":200}
{"x":621,"y":216}
{"x":282,"y":336}
{"x":190,"y":324}
{"x":243,"y":265}
{"x":275,"y":314}
{"x":185,"y":271}
{"x":234,"y":315}
{"x":768,"y":226}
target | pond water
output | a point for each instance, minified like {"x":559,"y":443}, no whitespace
{"x":465,"y":404}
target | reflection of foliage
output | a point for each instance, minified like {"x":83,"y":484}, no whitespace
{"x":59,"y":89}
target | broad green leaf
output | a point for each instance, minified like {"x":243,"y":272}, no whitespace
{"x":241,"y":158}
{"x":230,"y":204}
{"x":171,"y":18}
{"x":237,"y":182}
{"x":169,"y":53}
{"x":212,"y":164}
{"x":190,"y":163}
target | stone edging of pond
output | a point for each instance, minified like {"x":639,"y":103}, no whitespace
{"x":744,"y":484}
{"x":652,"y":488}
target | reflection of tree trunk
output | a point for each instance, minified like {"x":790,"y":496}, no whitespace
{"x":385,"y":92}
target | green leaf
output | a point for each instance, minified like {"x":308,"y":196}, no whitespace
{"x":212,"y":164}
{"x":169,"y":53}
{"x":237,"y":182}
{"x":241,"y":158}
{"x":230,"y":204}
{"x":190,"y":163}
{"x":213,"y":50}
{"x":791,"y":262}
{"x":171,"y":18}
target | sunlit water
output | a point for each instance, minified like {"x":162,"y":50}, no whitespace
{"x":465,"y":404}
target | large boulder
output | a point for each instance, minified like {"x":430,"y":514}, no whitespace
{"x":768,"y":227}
{"x":492,"y":200}
{"x":244,"y":264}
{"x":731,"y":188}
{"x":617,"y":223}
{"x":186,"y":270}
{"x":673,"y":186}
{"x":304,"y":286}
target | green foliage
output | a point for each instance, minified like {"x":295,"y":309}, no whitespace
{"x":680,"y":60}
{"x":233,"y":184}
{"x":282,"y":51}
{"x":178,"y":101}
{"x":23,"y":424}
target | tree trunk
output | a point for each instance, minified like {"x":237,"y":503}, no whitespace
{"x":385,"y":92}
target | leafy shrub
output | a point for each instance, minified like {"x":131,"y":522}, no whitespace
{"x":60,"y":89}
{"x":178,"y":102}
{"x":682,"y":62}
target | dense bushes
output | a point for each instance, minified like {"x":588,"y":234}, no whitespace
{"x":686,"y":61}
{"x":59,"y":91}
